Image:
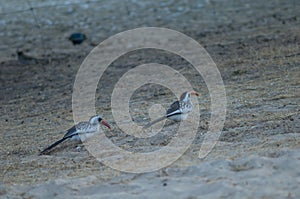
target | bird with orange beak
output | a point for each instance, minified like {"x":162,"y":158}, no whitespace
{"x":80,"y":130}
{"x":178,"y":110}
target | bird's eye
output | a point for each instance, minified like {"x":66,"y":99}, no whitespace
{"x":99,"y":119}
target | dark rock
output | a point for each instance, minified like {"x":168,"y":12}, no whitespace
{"x":77,"y":38}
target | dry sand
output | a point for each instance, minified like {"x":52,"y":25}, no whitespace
{"x":255,"y":45}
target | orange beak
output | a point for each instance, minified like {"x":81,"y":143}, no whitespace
{"x":103,"y":122}
{"x":194,"y":93}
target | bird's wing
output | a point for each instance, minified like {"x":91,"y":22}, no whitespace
{"x":71,"y":132}
{"x":174,"y":109}
{"x":76,"y":129}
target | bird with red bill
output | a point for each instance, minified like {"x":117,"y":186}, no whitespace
{"x":83,"y":128}
{"x":178,"y":110}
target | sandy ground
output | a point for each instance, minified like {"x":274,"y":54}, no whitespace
{"x":255,"y":45}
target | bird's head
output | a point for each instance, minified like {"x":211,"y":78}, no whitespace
{"x":95,"y":120}
{"x":187,"y":95}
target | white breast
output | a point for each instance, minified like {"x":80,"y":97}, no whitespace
{"x":86,"y":133}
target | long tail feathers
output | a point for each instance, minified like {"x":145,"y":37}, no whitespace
{"x":154,"y":122}
{"x":53,"y":145}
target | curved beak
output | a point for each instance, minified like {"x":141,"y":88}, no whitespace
{"x":194,"y":93}
{"x":104,"y":122}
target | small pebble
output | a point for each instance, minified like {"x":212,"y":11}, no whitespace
{"x":77,"y":38}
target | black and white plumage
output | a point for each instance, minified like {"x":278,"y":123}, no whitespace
{"x":80,"y":130}
{"x":178,"y":110}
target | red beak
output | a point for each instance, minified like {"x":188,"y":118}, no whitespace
{"x":194,"y":93}
{"x":103,"y":122}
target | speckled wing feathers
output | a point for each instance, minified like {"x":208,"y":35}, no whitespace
{"x":174,"y":109}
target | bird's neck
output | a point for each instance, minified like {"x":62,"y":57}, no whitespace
{"x":187,"y":100}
